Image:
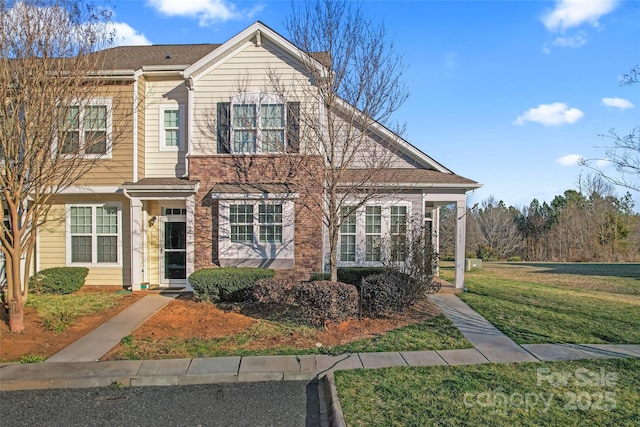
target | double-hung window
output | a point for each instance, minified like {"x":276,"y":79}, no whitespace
{"x":244,"y":222}
{"x":171,"y":124}
{"x":398,"y":231}
{"x":245,"y":132}
{"x":94,"y":234}
{"x":373,"y":233}
{"x":270,"y":223}
{"x":348,"y":235}
{"x":258,"y":123}
{"x":241,"y":221}
{"x":86,"y":129}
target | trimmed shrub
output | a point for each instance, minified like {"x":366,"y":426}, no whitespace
{"x":515,"y":258}
{"x":350,"y":275}
{"x":228,"y":284}
{"x":276,"y":291}
{"x":318,"y":277}
{"x":58,"y":280}
{"x":354,"y":275}
{"x":381,"y":294}
{"x":323,"y":301}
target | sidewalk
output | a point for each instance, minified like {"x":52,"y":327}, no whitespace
{"x":76,"y":366}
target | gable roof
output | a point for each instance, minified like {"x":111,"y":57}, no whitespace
{"x":194,"y":60}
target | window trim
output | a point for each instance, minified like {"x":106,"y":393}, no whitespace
{"x":385,"y":233}
{"x":94,"y":241}
{"x":258,"y":100}
{"x":104,"y":101}
{"x":181,"y":127}
{"x":256,"y":250}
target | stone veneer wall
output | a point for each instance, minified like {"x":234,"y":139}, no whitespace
{"x":210,"y":170}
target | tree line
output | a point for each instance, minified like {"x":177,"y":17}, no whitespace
{"x":588,"y":224}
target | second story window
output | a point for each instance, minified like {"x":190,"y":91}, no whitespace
{"x":171,"y":127}
{"x":256,"y":124}
{"x":86,"y":129}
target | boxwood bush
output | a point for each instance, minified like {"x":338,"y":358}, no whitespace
{"x":323,"y":301}
{"x":58,"y":280}
{"x":381,"y":294}
{"x":350,"y":275}
{"x":227,"y":284}
{"x":276,"y":291}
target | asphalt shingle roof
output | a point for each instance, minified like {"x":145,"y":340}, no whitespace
{"x":135,"y":57}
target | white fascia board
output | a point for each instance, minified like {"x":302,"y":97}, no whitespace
{"x":253,"y":196}
{"x":237,"y":43}
{"x":412,"y":185}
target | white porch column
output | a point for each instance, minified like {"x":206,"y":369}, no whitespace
{"x":461,"y":220}
{"x":191,"y":210}
{"x":137,"y":248}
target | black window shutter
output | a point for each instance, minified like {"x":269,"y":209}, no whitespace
{"x":293,"y":127}
{"x":224,"y":127}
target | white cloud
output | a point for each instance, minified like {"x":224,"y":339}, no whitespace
{"x":127,"y":36}
{"x":206,"y":11}
{"x":555,"y":114}
{"x":603,"y":163}
{"x":573,"y":13}
{"x":573,"y":42}
{"x":620,"y":103}
{"x":570,"y":160}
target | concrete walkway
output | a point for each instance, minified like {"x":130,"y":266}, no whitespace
{"x":97,"y":343}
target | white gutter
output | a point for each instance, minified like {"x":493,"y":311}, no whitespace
{"x":136,"y":76}
{"x":189,"y":83}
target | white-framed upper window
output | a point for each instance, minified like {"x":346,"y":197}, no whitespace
{"x":86,"y":129}
{"x":171,"y":127}
{"x":258,"y":123}
{"x":94,"y":235}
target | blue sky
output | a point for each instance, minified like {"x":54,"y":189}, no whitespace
{"x":508,"y":93}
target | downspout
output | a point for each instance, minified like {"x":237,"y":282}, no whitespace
{"x":136,"y":99}
{"x":189,"y":83}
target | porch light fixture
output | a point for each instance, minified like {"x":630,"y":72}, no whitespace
{"x":152,"y":220}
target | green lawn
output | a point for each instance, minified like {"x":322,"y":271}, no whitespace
{"x":58,"y":312}
{"x":596,"y":393}
{"x":557,"y":303}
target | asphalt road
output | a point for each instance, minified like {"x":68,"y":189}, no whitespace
{"x":284,"y":403}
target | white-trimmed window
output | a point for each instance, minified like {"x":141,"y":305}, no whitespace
{"x":171,"y":127}
{"x":241,"y":221}
{"x":398,"y":233}
{"x":373,"y":233}
{"x":348,"y":235}
{"x":270,"y":223}
{"x":86,"y":129}
{"x":258,"y":124}
{"x":94,"y":235}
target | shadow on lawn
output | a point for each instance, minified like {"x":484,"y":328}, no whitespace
{"x":631,"y":270}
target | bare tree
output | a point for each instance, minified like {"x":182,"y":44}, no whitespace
{"x":47,"y":73}
{"x":499,"y":230}
{"x":624,"y":151}
{"x":355,"y":75}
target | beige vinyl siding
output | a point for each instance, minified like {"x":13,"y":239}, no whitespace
{"x":142,"y":112}
{"x":52,"y":240}
{"x":153,"y":243}
{"x":163,"y":92}
{"x":246,"y":71}
{"x":118,"y":168}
